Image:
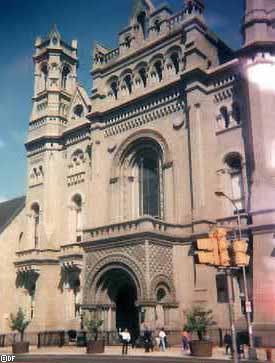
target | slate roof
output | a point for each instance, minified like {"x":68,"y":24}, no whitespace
{"x":9,"y":210}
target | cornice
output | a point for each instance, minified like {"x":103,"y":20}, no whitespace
{"x":254,"y":47}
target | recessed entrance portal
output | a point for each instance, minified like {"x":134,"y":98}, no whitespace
{"x":118,"y":287}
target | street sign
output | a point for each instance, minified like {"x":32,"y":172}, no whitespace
{"x":248,"y":307}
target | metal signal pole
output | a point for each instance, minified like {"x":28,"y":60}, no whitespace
{"x":230,"y":288}
{"x":252,"y":353}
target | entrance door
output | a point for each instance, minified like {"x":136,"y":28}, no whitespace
{"x":119,"y":288}
{"x":126,"y":311}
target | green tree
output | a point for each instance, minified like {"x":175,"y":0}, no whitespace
{"x":92,"y":325}
{"x":199,"y":320}
{"x":19,"y":323}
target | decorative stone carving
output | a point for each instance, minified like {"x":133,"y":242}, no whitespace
{"x":159,"y":280}
{"x":106,"y":259}
{"x":178,"y":121}
{"x":160,"y":259}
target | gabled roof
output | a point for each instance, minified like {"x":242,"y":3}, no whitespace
{"x":9,"y":210}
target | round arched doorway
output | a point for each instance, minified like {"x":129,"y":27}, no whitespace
{"x":118,"y":286}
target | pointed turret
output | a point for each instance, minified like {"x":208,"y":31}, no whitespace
{"x":54,"y":33}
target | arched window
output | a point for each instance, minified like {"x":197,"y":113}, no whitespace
{"x":78,"y":110}
{"x":234,"y":165}
{"x":161,"y":294}
{"x":128,"y":83}
{"x":127,"y":41}
{"x":236,"y":112}
{"x":142,"y":21}
{"x":114,"y":88}
{"x":143,"y":76}
{"x":77,"y":158}
{"x":36,"y":221}
{"x":157,"y":26}
{"x":20,"y":241}
{"x":44,"y":75}
{"x":149,"y":177}
{"x":158,"y":68}
{"x":77,"y":204}
{"x":175,"y":60}
{"x":225,"y":116}
{"x":65,"y":74}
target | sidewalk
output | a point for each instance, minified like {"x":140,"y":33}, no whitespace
{"x":175,"y":352}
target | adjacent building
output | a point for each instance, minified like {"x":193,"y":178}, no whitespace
{"x":122,"y":182}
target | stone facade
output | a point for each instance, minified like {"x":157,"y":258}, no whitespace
{"x":122,"y":183}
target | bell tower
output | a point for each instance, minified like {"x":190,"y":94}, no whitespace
{"x":55,"y":82}
{"x":55,"y":77}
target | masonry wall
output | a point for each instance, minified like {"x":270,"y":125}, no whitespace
{"x":9,"y":245}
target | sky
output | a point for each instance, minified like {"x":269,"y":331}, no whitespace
{"x":21,"y":21}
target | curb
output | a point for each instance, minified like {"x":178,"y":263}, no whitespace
{"x":84,"y":357}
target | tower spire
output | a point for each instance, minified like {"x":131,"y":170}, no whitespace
{"x":54,"y":32}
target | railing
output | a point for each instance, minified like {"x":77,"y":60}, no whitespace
{"x":2,"y":340}
{"x":144,"y":224}
{"x":51,"y":338}
{"x":176,"y":19}
{"x":7,"y":340}
{"x":72,"y":249}
{"x":114,"y":53}
{"x":62,"y":337}
{"x":36,"y":254}
{"x":106,"y":58}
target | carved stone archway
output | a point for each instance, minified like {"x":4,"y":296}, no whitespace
{"x":113,"y":289}
{"x":116,"y":261}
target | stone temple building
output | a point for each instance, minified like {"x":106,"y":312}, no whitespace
{"x":121,"y":182}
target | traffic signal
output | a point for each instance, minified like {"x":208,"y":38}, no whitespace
{"x":220,"y":235}
{"x":209,"y":251}
{"x":240,"y":253}
{"x":224,"y":254}
{"x":214,"y":250}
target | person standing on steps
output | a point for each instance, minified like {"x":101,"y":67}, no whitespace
{"x":148,"y":344}
{"x":185,"y":338}
{"x":228,"y":344}
{"x":126,"y":338}
{"x":162,"y":337}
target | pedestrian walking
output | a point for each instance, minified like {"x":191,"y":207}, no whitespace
{"x":163,"y":340}
{"x":185,"y":338}
{"x":228,"y":343}
{"x":157,"y":341}
{"x":126,"y":338}
{"x":148,"y":343}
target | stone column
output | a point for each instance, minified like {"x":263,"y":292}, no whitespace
{"x":168,"y":192}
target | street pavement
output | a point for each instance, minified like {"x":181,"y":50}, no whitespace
{"x":72,"y":354}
